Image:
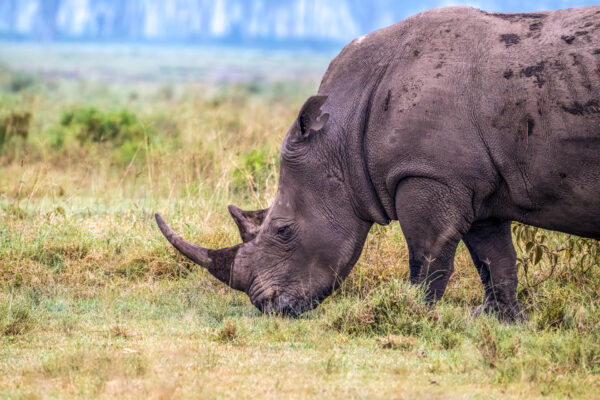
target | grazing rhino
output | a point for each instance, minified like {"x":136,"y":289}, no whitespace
{"x":454,"y":122}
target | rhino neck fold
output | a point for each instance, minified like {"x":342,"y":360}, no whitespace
{"x":366,"y":202}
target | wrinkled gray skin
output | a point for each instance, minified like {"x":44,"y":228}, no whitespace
{"x":454,"y":122}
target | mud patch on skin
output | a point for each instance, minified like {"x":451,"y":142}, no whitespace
{"x":516,"y":17}
{"x":536,"y":26}
{"x":510,"y":112}
{"x":576,"y":60}
{"x":597,"y":51}
{"x":580,"y":65}
{"x":388,"y":98}
{"x":510,"y":39}
{"x":536,"y":71}
{"x":568,"y":38}
{"x":591,"y":107}
{"x":530,"y":125}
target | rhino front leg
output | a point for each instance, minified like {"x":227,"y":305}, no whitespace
{"x":433,"y":217}
{"x":491,"y":247}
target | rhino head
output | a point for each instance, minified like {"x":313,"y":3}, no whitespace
{"x":297,"y":252}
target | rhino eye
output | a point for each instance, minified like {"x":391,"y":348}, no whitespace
{"x":285,"y":233}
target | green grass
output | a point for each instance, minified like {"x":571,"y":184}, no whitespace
{"x":95,"y":303}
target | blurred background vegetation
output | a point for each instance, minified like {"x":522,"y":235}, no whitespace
{"x":131,"y":125}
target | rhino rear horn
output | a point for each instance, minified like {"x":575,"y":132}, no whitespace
{"x":248,"y":222}
{"x":219,"y":263}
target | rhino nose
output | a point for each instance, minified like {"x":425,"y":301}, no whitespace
{"x":280,"y":305}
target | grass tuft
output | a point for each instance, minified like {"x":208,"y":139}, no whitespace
{"x":15,"y":315}
{"x":394,"y":307}
{"x":227,"y":333}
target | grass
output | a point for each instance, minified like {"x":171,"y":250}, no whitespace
{"x":94,"y":303}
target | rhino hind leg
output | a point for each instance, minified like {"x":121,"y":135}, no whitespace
{"x":493,"y":253}
{"x":433,"y":217}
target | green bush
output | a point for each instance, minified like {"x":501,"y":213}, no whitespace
{"x":551,"y":308}
{"x":14,"y":126}
{"x":544,"y":256}
{"x":20,"y":81}
{"x":56,"y":138}
{"x":96,"y":126}
{"x":119,"y":130}
{"x":257,"y":167}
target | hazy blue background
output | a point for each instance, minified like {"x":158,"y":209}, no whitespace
{"x":256,"y":23}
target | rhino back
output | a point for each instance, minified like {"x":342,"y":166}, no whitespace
{"x":509,"y":103}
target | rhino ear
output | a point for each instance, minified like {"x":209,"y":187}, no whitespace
{"x":248,"y":222}
{"x":310,"y":118}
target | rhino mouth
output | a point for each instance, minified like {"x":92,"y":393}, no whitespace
{"x":286,"y":306}
{"x":289,"y":306}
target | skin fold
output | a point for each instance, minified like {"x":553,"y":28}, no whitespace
{"x":455,"y":122}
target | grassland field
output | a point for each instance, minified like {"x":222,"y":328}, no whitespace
{"x":95,"y":303}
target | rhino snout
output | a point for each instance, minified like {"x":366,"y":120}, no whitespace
{"x":284,"y":305}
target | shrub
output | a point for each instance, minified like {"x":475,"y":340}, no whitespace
{"x":14,"y":125}
{"x":15,"y":315}
{"x":544,"y":255}
{"x":257,"y":167}
{"x":92,"y":125}
{"x":551,"y":309}
{"x":119,"y":130}
{"x":20,"y":81}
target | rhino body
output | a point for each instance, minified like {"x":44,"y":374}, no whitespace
{"x":455,"y":122}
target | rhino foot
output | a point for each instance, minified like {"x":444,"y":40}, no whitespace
{"x":504,"y":312}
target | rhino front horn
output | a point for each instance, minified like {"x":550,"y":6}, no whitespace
{"x":220,"y":263}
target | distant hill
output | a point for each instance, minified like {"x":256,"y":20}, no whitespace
{"x":267,"y":22}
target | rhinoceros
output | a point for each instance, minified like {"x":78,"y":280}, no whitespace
{"x":455,"y":122}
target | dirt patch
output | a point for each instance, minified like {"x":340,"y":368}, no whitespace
{"x":536,"y":26}
{"x":568,"y":38}
{"x":516,"y":17}
{"x":510,"y":39}
{"x":536,"y":71}
{"x":577,"y":108}
{"x":388,"y":98}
